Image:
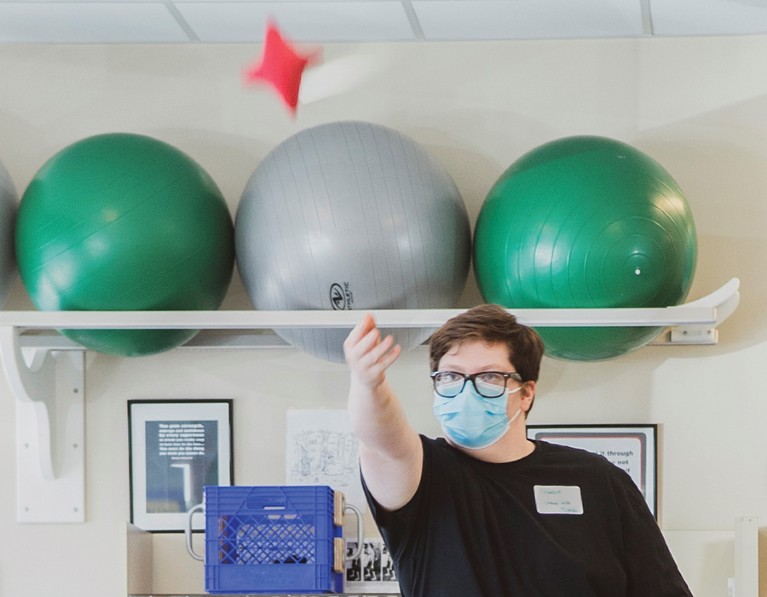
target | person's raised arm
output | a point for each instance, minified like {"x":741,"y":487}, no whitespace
{"x":391,"y":455}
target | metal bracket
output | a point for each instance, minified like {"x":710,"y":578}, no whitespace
{"x":691,"y":334}
{"x":724,"y":300}
{"x":50,"y":429}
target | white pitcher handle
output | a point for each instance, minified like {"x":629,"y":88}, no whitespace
{"x":188,"y":531}
{"x":360,"y":533}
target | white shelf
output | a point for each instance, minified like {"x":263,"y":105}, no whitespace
{"x":691,"y":314}
{"x":691,"y":323}
{"x":46,"y":371}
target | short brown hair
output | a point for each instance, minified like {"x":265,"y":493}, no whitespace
{"x":492,"y":324}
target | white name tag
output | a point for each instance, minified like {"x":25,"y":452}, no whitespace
{"x":558,"y":499}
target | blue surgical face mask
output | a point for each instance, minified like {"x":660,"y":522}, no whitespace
{"x":471,"y":420}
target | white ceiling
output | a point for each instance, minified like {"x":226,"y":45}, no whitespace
{"x":243,"y":21}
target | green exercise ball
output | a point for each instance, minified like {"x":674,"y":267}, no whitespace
{"x":586,"y":222}
{"x":124,"y":222}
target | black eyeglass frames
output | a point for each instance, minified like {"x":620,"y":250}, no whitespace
{"x":489,"y":384}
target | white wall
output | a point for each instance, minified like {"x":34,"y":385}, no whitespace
{"x":695,"y":105}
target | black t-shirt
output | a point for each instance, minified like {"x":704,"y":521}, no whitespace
{"x":473,"y":529}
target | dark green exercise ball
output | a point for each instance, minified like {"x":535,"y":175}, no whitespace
{"x":124,"y":222}
{"x":586,"y":222}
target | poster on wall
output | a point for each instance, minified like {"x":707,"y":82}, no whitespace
{"x":322,"y":449}
{"x":630,"y":447}
{"x":372,"y":571}
{"x":176,"y":448}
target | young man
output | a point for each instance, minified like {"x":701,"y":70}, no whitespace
{"x":485,"y":512}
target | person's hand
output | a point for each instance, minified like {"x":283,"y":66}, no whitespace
{"x":390,"y":450}
{"x":367,"y":355}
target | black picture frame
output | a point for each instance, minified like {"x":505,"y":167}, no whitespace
{"x":176,"y":447}
{"x":632,"y":447}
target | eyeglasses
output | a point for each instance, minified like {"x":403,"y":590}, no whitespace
{"x":489,"y":384}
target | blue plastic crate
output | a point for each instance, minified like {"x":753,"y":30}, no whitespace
{"x":272,"y":540}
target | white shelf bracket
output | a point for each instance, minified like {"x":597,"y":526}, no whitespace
{"x":724,"y":300}
{"x":50,"y":429}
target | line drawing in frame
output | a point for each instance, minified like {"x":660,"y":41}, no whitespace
{"x":176,"y":447}
{"x":632,"y":447}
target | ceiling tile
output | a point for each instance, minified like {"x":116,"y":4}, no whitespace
{"x":313,"y":21}
{"x":708,"y":17}
{"x":528,"y":19}
{"x":88,"y":22}
{"x":244,"y":21}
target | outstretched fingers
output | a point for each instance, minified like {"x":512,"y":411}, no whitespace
{"x":367,"y":354}
{"x":361,"y":329}
{"x":382,"y":352}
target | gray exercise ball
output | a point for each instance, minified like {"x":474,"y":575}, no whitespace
{"x":8,"y":204}
{"x":351,"y":215}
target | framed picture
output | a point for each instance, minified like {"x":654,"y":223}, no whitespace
{"x":176,"y":448}
{"x":630,"y":447}
{"x":372,"y":571}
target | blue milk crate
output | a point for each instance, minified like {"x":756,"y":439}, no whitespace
{"x":274,"y":539}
